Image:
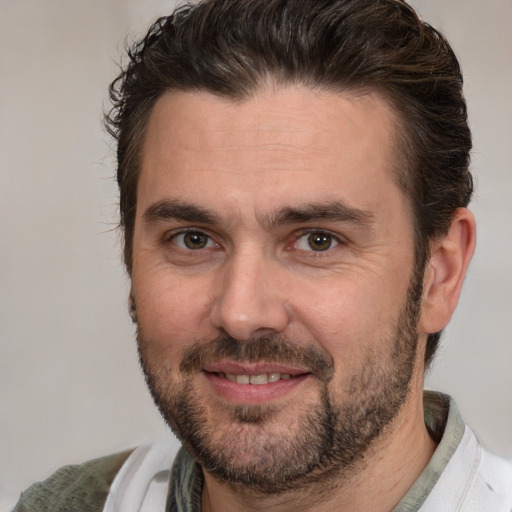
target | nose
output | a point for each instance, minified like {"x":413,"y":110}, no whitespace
{"x":249,"y":301}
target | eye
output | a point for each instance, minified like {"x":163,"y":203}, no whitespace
{"x":317,"y":241}
{"x":193,"y":240}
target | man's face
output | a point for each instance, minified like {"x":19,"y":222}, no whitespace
{"x":273,"y":279}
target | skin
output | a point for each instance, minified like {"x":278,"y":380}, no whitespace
{"x":244,"y":162}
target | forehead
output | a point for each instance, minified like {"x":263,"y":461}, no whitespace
{"x":290,"y":143}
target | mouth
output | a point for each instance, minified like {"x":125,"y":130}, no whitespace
{"x":256,"y":380}
{"x":253,"y":383}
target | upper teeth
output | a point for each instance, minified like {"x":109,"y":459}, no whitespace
{"x":263,"y":378}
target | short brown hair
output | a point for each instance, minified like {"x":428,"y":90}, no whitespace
{"x":231,"y":47}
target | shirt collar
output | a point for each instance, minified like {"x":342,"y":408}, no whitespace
{"x":445,"y":426}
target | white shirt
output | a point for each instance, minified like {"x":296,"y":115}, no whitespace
{"x":460,"y":477}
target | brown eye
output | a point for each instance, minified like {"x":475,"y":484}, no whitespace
{"x":193,"y":240}
{"x":316,"y":241}
{"x":320,"y":241}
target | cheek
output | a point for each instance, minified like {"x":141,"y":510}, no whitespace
{"x":172,"y":310}
{"x":348,"y":318}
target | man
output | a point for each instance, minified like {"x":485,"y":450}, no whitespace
{"x":293,"y":183}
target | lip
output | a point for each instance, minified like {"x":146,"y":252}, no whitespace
{"x":253,"y":368}
{"x":251,"y":394}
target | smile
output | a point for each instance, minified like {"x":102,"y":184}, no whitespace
{"x":262,"y":378}
{"x":253,"y":386}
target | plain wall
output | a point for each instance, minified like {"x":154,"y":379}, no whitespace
{"x":70,"y":386}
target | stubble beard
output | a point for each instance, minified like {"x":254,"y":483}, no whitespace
{"x":328,"y":439}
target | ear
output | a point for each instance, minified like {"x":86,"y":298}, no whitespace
{"x":445,"y":272}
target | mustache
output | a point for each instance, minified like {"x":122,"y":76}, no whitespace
{"x":269,"y":348}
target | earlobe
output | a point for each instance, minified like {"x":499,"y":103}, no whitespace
{"x":445,"y":272}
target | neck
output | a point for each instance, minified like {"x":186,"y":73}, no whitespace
{"x":377,"y":484}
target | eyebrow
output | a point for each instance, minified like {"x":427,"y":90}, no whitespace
{"x":169,"y":209}
{"x":330,"y":212}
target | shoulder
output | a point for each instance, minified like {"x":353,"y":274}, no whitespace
{"x":80,"y":488}
{"x":475,"y":480}
{"x":492,"y":484}
{"x":461,"y":474}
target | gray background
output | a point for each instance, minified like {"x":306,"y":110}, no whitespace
{"x":70,"y":387}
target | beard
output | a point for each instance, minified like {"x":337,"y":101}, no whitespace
{"x":251,"y":446}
